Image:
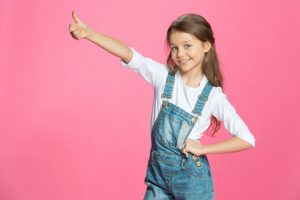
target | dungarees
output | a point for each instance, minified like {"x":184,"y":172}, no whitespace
{"x":170,"y":175}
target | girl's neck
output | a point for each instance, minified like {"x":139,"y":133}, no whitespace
{"x":192,"y":79}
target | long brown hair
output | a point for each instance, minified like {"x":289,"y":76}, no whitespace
{"x":198,"y":26}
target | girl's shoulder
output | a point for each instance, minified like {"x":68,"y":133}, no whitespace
{"x":217,"y":94}
{"x":152,"y":71}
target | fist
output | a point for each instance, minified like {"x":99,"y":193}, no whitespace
{"x":194,"y":147}
{"x":78,"y":29}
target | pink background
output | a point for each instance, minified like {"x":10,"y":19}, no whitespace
{"x":74,"y":124}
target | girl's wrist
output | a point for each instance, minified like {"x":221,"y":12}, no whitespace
{"x":202,"y":150}
{"x":89,"y":32}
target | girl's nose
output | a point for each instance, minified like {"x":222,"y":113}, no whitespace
{"x":180,"y":52}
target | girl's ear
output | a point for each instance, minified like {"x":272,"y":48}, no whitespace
{"x":207,"y":46}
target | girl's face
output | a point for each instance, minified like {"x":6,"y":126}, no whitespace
{"x":187,"y":52}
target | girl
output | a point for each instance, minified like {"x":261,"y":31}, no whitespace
{"x":188,"y":100}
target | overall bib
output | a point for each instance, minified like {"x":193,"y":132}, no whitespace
{"x":170,"y":175}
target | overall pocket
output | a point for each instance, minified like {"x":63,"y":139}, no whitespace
{"x":167,"y":129}
{"x":197,"y":169}
{"x":200,"y":174}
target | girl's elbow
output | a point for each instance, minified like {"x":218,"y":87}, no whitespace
{"x":127,"y":56}
{"x":245,"y":145}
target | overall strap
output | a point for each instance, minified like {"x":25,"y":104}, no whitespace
{"x":202,"y":98}
{"x":168,"y":90}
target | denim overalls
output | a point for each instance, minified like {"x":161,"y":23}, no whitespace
{"x":170,"y":175}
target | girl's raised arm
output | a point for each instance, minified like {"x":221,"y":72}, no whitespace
{"x":79,"y":30}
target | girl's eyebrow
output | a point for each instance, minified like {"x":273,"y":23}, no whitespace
{"x":187,"y":41}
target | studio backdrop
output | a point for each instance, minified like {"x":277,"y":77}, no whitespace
{"x":75,"y":124}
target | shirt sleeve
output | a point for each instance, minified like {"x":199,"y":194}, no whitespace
{"x":151,"y":71}
{"x":225,"y":112}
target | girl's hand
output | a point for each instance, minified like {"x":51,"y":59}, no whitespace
{"x":78,"y":29}
{"x":194,"y":147}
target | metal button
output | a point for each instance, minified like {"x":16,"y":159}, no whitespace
{"x":193,"y":119}
{"x":165,"y":103}
{"x":198,"y":164}
{"x":194,"y":157}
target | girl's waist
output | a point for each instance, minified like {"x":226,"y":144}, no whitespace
{"x":175,"y":159}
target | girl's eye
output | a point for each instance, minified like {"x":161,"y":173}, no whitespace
{"x":187,"y":46}
{"x":173,"y":48}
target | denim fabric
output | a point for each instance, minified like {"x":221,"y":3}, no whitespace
{"x":170,"y":175}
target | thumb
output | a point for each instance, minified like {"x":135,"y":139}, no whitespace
{"x":185,"y":152}
{"x":76,"y":19}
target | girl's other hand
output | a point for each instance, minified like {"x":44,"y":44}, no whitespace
{"x":194,"y":147}
{"x":78,"y":28}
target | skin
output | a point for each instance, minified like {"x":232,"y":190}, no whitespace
{"x":80,"y":30}
{"x":187,"y":52}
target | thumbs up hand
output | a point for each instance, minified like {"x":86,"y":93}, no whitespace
{"x":78,"y":28}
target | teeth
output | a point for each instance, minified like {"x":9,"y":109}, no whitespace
{"x":183,"y":61}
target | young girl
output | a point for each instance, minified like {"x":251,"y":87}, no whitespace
{"x":188,"y":100}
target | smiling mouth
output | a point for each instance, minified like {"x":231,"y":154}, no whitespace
{"x":183,"y":61}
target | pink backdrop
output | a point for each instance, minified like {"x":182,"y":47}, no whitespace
{"x":74,"y":124}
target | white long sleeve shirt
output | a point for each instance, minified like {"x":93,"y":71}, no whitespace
{"x":186,"y":97}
